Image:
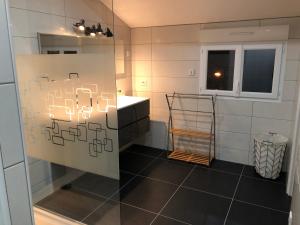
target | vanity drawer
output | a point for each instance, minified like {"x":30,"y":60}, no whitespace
{"x":133,"y":113}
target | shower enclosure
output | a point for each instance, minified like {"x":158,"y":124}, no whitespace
{"x":68,"y":104}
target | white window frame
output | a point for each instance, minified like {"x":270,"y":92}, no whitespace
{"x":276,"y":72}
{"x":203,"y":69}
{"x":238,"y":70}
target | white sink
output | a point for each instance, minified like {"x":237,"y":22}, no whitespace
{"x":125,"y":101}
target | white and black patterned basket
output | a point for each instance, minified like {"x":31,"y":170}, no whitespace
{"x":269,"y":151}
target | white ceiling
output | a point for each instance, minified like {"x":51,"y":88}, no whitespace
{"x":145,"y":13}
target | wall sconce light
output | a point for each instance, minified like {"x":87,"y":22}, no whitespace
{"x":80,"y":26}
{"x":93,"y":30}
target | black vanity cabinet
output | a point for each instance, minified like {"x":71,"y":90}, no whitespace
{"x":133,"y":121}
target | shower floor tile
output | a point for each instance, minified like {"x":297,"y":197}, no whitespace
{"x":99,"y":185}
{"x":71,"y":203}
{"x":158,"y":191}
{"x":116,"y":213}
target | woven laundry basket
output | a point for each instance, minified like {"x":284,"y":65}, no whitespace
{"x":269,"y":151}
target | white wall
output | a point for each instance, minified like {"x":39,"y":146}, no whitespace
{"x":14,"y":195}
{"x":56,"y":17}
{"x":161,"y":60}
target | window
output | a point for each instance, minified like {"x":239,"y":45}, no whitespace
{"x":241,"y":70}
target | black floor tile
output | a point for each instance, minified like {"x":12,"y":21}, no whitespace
{"x":166,"y":221}
{"x":100,"y":185}
{"x":146,"y":193}
{"x":249,"y":171}
{"x":264,"y":193}
{"x":71,"y":203}
{"x":153,"y":152}
{"x":213,"y":181}
{"x":114,"y":213}
{"x":134,"y":163}
{"x":168,"y":170}
{"x":197,"y":208}
{"x":227,"y":166}
{"x":245,"y":214}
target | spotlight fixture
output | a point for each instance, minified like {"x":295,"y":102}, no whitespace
{"x":93,"y":30}
{"x":80,"y":26}
{"x":108,"y":33}
{"x":99,"y":29}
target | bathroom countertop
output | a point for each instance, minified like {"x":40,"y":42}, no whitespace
{"x":125,"y":101}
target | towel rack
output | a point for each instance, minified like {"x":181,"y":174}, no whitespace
{"x":204,"y":152}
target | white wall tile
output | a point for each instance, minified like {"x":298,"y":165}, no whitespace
{"x":175,"y":52}
{"x":234,"y":107}
{"x":176,"y":34}
{"x":239,"y":124}
{"x":289,"y":90}
{"x":25,"y":45}
{"x":262,"y":125}
{"x":141,"y":35}
{"x":55,"y":7}
{"x":283,"y":110}
{"x":5,"y":52}
{"x":233,"y":140}
{"x":293,"y":50}
{"x":292,"y":70}
{"x":175,"y":68}
{"x":183,"y":85}
{"x":141,"y":52}
{"x":39,"y":171}
{"x":10,"y":130}
{"x":18,"y":196}
{"x":27,"y":23}
{"x":232,"y":155}
{"x":141,"y":68}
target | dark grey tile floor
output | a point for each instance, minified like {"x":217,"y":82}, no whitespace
{"x":157,"y":191}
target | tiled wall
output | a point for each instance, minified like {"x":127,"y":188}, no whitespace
{"x":13,"y":176}
{"x":56,"y":17}
{"x":161,"y":60}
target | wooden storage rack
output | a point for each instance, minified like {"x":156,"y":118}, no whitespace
{"x":208,"y":137}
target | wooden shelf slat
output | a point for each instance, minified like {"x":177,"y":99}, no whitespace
{"x":191,"y":133}
{"x":190,"y":157}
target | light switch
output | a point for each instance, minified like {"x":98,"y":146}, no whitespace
{"x":192,"y":72}
{"x":143,"y":83}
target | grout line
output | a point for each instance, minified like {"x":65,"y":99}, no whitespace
{"x":180,"y":185}
{"x":206,"y":192}
{"x":235,"y":191}
{"x":118,"y":191}
{"x":264,"y":180}
{"x":261,"y":206}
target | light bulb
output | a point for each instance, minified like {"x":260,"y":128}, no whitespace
{"x":92,"y":34}
{"x":81,"y":28}
{"x":218,"y":74}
